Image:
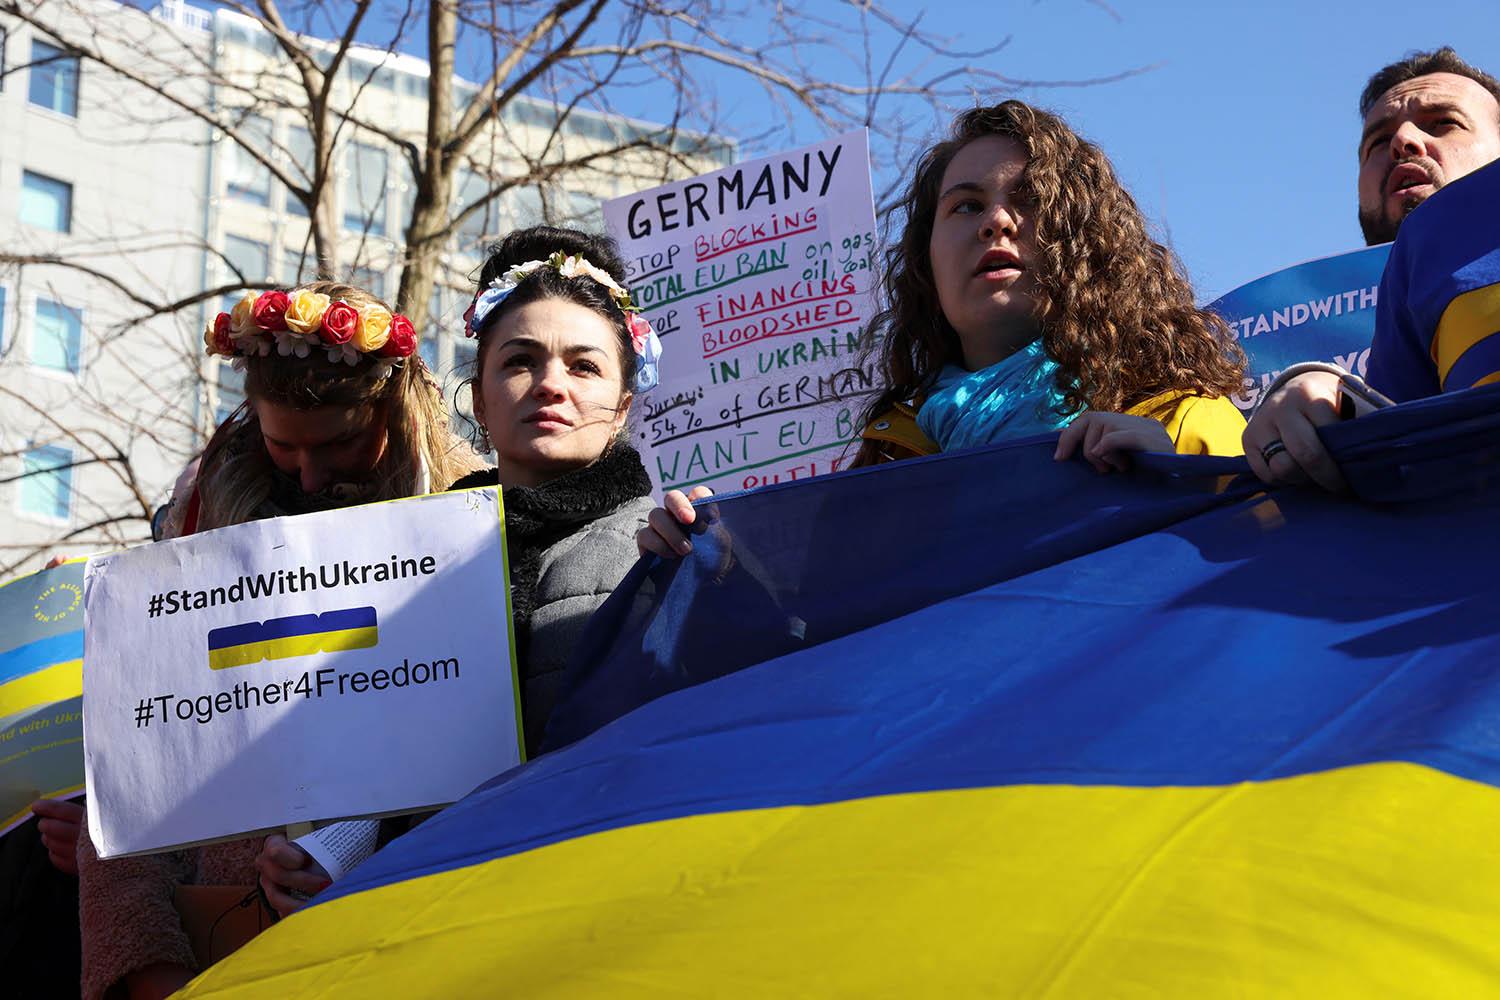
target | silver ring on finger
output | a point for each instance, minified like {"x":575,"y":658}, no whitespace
{"x":1271,"y":450}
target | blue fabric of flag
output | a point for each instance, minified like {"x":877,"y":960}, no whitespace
{"x":986,"y":724}
{"x":995,"y":618}
{"x":1439,"y":309}
{"x":798,"y":565}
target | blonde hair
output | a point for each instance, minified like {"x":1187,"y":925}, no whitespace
{"x":234,"y":475}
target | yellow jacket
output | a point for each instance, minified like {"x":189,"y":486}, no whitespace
{"x":1198,"y":425}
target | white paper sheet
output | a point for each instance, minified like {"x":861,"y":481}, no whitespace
{"x":759,"y":279}
{"x":398,"y":696}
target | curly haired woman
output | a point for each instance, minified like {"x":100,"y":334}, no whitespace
{"x":1025,"y":296}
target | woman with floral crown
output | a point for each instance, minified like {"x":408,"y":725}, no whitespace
{"x":339,"y":409}
{"x":562,"y":352}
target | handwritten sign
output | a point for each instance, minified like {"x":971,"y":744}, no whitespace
{"x":41,"y":690}
{"x":1323,"y":310}
{"x":346,"y":663}
{"x":758,"y":278}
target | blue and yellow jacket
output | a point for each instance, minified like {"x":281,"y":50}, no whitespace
{"x":1438,"y":315}
{"x":1197,"y":425}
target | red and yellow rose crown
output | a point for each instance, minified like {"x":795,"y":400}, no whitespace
{"x":298,"y":322}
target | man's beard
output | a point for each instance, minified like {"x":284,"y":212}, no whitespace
{"x":1380,"y":229}
{"x":1377,"y":226}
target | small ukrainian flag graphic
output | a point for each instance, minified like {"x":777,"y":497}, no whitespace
{"x":295,"y":635}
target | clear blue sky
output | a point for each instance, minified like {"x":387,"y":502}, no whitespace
{"x":1241,"y":146}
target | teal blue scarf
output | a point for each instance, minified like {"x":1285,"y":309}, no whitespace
{"x":1011,"y":399}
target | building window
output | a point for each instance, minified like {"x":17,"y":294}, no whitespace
{"x":533,"y":113}
{"x":483,"y":221}
{"x":230,"y":391}
{"x":57,"y":337}
{"x":248,"y":260}
{"x":364,"y":194}
{"x":526,"y":208}
{"x":585,"y":211}
{"x":465,"y":358}
{"x":429,"y":341}
{"x":3,"y":323}
{"x":54,"y":79}
{"x":408,"y":201}
{"x":47,"y":482}
{"x":249,"y":179}
{"x":298,"y":268}
{"x":299,"y":146}
{"x":460,"y":396}
{"x":370,"y":280}
{"x":46,"y":202}
{"x":245,"y":261}
{"x":428,"y":347}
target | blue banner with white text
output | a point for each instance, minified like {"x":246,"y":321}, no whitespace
{"x":1321,"y":310}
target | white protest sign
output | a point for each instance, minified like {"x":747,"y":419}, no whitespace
{"x":759,"y":279}
{"x":345,"y":663}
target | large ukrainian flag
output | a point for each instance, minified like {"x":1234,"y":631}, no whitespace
{"x":1022,"y":731}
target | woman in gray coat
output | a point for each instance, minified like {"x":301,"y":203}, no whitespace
{"x":562,"y":352}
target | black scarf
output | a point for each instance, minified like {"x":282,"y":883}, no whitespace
{"x":538,"y":517}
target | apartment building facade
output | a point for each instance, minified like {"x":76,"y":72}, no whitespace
{"x":85,"y":380}
{"x":100,"y":407}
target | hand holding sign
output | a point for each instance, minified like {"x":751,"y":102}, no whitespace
{"x":664,"y":533}
{"x":1282,"y":443}
{"x":285,"y":869}
{"x":281,"y":671}
{"x":59,"y":823}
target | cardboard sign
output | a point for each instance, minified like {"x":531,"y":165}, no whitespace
{"x":41,"y":689}
{"x":759,"y":280}
{"x":1323,"y":310}
{"x":353,"y":662}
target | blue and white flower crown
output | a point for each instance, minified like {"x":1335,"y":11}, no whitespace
{"x":643,"y":336}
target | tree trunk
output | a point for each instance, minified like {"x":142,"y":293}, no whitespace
{"x":322,"y":220}
{"x":427,"y":234}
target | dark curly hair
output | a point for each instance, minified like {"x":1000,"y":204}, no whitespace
{"x":539,"y":243}
{"x":1116,"y":312}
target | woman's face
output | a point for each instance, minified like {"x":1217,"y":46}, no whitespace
{"x":983,"y":249}
{"x":324,"y":445}
{"x":550,"y":390}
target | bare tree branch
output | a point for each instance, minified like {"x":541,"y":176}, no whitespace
{"x":542,"y":128}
